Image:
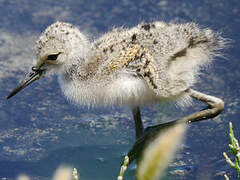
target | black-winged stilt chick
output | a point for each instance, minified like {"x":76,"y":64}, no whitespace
{"x":150,"y":63}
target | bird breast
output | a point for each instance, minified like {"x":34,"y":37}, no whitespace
{"x":122,"y":90}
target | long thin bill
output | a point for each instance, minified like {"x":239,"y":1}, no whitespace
{"x":35,"y":76}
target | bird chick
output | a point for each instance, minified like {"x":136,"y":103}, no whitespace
{"x":151,"y":62}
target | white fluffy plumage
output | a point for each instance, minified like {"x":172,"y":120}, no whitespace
{"x":152,"y":62}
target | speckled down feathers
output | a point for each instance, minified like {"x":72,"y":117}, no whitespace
{"x":152,"y":62}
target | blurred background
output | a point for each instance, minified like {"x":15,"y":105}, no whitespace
{"x":40,"y":130}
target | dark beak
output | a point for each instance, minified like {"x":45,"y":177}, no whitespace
{"x":33,"y":76}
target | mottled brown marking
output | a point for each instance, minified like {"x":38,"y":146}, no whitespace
{"x":155,"y":41}
{"x":180,"y":53}
{"x":146,"y":27}
{"x":124,"y":58}
{"x":149,"y":70}
{"x":111,"y":48}
{"x":193,"y":41}
{"x":134,"y":37}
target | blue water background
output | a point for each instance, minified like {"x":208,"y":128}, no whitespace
{"x":40,"y":130}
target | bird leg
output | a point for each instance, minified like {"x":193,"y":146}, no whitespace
{"x":215,"y":107}
{"x":138,"y":121}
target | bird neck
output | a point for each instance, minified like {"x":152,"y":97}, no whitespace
{"x":77,"y":58}
{"x":73,"y":69}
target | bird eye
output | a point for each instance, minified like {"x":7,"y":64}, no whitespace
{"x":52,"y":57}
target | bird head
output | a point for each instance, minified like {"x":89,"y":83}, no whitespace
{"x":56,"y":48}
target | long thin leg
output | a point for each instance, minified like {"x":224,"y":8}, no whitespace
{"x":215,"y":107}
{"x":138,"y":121}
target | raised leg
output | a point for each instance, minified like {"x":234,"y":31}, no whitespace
{"x":138,"y":121}
{"x":215,"y":107}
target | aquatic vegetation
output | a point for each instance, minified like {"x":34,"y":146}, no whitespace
{"x":75,"y":174}
{"x":160,"y":152}
{"x":157,"y":154}
{"x":234,"y":151}
{"x":123,"y":167}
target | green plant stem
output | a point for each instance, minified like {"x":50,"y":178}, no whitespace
{"x":123,"y":168}
{"x":234,"y":150}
